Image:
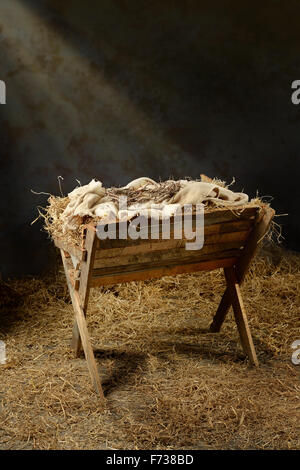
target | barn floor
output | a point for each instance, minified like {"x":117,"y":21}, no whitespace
{"x":169,"y":383}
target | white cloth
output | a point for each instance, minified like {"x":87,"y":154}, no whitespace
{"x":91,"y":200}
{"x":84,"y":200}
{"x":195,"y":192}
{"x":140,"y":182}
{"x":158,"y":211}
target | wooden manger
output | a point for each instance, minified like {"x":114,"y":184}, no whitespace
{"x":230,"y":242}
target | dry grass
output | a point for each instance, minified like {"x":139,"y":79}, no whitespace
{"x":169,"y":384}
{"x":54,"y":226}
{"x":164,"y":190}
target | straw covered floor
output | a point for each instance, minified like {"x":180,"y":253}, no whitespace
{"x":169,"y":384}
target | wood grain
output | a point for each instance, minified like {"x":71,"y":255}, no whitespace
{"x":218,"y":217}
{"x":74,"y":250}
{"x":240,"y":314}
{"x":155,"y":272}
{"x":251,"y":246}
{"x":83,"y":331}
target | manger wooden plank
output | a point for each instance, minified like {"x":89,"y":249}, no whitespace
{"x":147,"y":246}
{"x":217,"y":216}
{"x":135,"y":246}
{"x":74,"y":276}
{"x":178,"y":253}
{"x":158,"y":245}
{"x":226,"y":227}
{"x":144,"y":274}
{"x":257,"y":234}
{"x":226,"y":237}
{"x":160,"y":272}
{"x":74,"y":250}
{"x":211,"y":218}
{"x":86,"y":266}
{"x":76,"y":262}
{"x":138,"y":266}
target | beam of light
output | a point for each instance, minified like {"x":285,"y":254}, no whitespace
{"x":2,"y":92}
{"x":57,"y":83}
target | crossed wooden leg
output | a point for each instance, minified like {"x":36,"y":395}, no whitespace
{"x":79,"y":299}
{"x":233,"y":296}
{"x":234,"y":278}
{"x":221,"y":313}
{"x":83,"y":291}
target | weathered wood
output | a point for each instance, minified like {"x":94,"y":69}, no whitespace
{"x":139,"y":265}
{"x":74,"y":276}
{"x":150,"y":272}
{"x":83,"y":287}
{"x":74,"y":250}
{"x":219,"y":216}
{"x":240,"y":314}
{"x":176,"y":254}
{"x":85,"y":339}
{"x":253,"y":242}
{"x":159,"y":245}
{"x":221,"y":312}
{"x":243,"y":263}
{"x":76,"y":342}
{"x":152,"y":245}
{"x":76,"y":262}
{"x":72,"y":273}
{"x":240,"y":236}
{"x":148,"y":247}
{"x":80,"y":330}
{"x":86,"y":267}
{"x":222,"y":214}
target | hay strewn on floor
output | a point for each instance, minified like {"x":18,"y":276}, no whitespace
{"x":169,"y":384}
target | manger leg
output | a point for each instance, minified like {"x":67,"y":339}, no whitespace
{"x":85,"y":268}
{"x":76,"y":340}
{"x":80,"y":332}
{"x":242,"y":266}
{"x":240,"y":315}
{"x":221,"y":313}
{"x":86,"y":343}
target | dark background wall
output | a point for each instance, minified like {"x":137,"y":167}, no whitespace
{"x":117,"y":89}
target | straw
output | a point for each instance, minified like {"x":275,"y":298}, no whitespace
{"x":169,"y":384}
